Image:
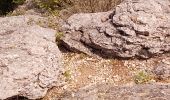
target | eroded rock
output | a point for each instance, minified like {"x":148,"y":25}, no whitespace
{"x":162,"y":70}
{"x":136,"y":28}
{"x":109,"y":92}
{"x":30,"y":61}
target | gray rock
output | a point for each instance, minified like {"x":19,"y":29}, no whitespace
{"x":162,"y":70}
{"x":30,"y":61}
{"x":136,"y":28}
{"x":109,"y":92}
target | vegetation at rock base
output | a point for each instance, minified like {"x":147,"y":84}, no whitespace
{"x":67,"y":74}
{"x":142,"y":77}
{"x":18,"y":1}
{"x":77,"y":5}
{"x":59,"y":35}
{"x":53,"y":6}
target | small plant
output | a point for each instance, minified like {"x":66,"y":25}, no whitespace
{"x":82,"y":56}
{"x":52,"y":23}
{"x":142,"y":77}
{"x":51,"y":5}
{"x":59,"y":35}
{"x":18,"y":2}
{"x":67,"y":74}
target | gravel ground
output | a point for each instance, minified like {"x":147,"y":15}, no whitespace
{"x":84,"y":72}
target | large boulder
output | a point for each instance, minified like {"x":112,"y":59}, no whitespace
{"x":30,"y":61}
{"x":136,"y":28}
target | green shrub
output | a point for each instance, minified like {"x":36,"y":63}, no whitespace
{"x":18,"y":2}
{"x":52,"y":4}
{"x":142,"y":77}
{"x":67,"y":74}
{"x":59,"y":35}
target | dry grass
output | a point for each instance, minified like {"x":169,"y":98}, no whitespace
{"x":69,"y":7}
{"x":94,"y":5}
{"x":88,"y":6}
{"x":79,"y":5}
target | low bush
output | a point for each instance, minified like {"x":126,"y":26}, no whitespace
{"x":59,"y":35}
{"x":142,"y":77}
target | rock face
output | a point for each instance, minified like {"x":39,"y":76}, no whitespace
{"x":136,"y":28}
{"x":30,"y":61}
{"x":108,"y":92}
{"x":162,"y":70}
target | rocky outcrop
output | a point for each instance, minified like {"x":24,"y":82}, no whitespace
{"x":136,"y":28}
{"x":30,"y":61}
{"x":109,"y":92}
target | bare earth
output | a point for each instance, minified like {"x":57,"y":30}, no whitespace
{"x":86,"y":74}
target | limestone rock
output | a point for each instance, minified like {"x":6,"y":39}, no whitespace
{"x":136,"y":28}
{"x":30,"y":61}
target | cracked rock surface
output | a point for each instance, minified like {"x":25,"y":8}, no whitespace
{"x":136,"y":28}
{"x":108,"y":92}
{"x":30,"y":61}
{"x":162,"y":70}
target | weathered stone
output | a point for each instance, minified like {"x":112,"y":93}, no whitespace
{"x":136,"y":28}
{"x":162,"y":70}
{"x":30,"y":61}
{"x":109,"y":92}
